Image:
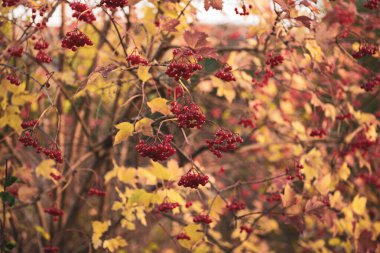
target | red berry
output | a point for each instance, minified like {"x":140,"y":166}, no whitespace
{"x":224,"y":141}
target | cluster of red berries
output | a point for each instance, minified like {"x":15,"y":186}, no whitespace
{"x":167,"y":206}
{"x":29,"y":123}
{"x":28,"y":140}
{"x":56,"y":177}
{"x":274,"y":197}
{"x":136,"y":59}
{"x":371,"y":83}
{"x":224,"y":141}
{"x":51,"y":249}
{"x":265,"y":78}
{"x":366,"y":49}
{"x":14,"y":80}
{"x":344,"y":116}
{"x":95,"y":191}
{"x":39,"y":25}
{"x":188,"y":114}
{"x":82,"y":12}
{"x":193,"y":179}
{"x":244,"y":10}
{"x":184,"y":64}
{"x":156,"y":151}
{"x":370,"y":179}
{"x":361,"y":142}
{"x":344,"y":16}
{"x":317,"y":133}
{"x":297,"y":172}
{"x":225,"y":74}
{"x":42,"y":56}
{"x":188,"y":204}
{"x":114,"y":3}
{"x":235,"y":206}
{"x":41,"y":44}
{"x":16,"y":51}
{"x":75,"y":39}
{"x":52,"y":152}
{"x":245,"y":228}
{"x":202,"y":218}
{"x":178,"y":92}
{"x":372,"y":4}
{"x":183,"y":236}
{"x":274,"y":60}
{"x":54,"y":211}
{"x":9,"y":3}
{"x":246,"y":123}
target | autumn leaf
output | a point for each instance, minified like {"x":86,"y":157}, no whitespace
{"x":358,"y":205}
{"x":170,"y":26}
{"x":27,"y":194}
{"x":288,"y":197}
{"x":125,"y":130}
{"x":195,"y":39}
{"x":323,"y":184}
{"x":114,"y":244}
{"x":159,"y":105}
{"x":143,"y":73}
{"x":99,"y":228}
{"x":144,"y":126}
{"x":45,"y":168}
{"x":42,"y":232}
{"x":216,"y":4}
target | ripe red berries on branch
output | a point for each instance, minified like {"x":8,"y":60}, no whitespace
{"x":167,"y":206}
{"x":372,"y":4}
{"x":274,"y":60}
{"x":244,"y":10}
{"x":51,"y":249}
{"x":318,"y":133}
{"x":136,"y":59}
{"x":41,"y":44}
{"x":371,"y":83}
{"x":75,"y":39}
{"x":202,"y":218}
{"x":9,"y":3}
{"x":82,"y":12}
{"x":43,"y":57}
{"x":54,"y":211}
{"x":193,"y":179}
{"x":246,"y":123}
{"x":235,"y":206}
{"x":225,"y":74}
{"x":14,"y":80}
{"x":156,"y":151}
{"x":183,"y":236}
{"x":188,"y":114}
{"x":95,"y":191}
{"x":224,"y":141}
{"x":114,"y":3}
{"x":365,"y":49}
{"x":16,"y":51}
{"x":29,"y":123}
{"x":184,"y":64}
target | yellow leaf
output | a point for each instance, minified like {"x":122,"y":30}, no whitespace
{"x":42,"y":231}
{"x":11,"y":118}
{"x":344,"y":171}
{"x":143,"y":73}
{"x":144,"y":126}
{"x":125,"y":130}
{"x":193,"y":231}
{"x":358,"y":205}
{"x":99,"y":228}
{"x":160,"y":171}
{"x":288,"y":196}
{"x":216,"y":207}
{"x":45,"y":168}
{"x":127,"y":176}
{"x":315,"y":50}
{"x":114,"y":243}
{"x":323,"y":184}
{"x":159,"y":105}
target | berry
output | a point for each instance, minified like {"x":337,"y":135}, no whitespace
{"x":167,"y":206}
{"x":16,"y":51}
{"x":182,"y":236}
{"x":136,"y":59}
{"x":372,"y":4}
{"x":246,"y":123}
{"x":156,"y":151}
{"x":244,"y":10}
{"x":224,"y":141}
{"x":9,"y":3}
{"x":28,"y":140}
{"x":184,"y":64}
{"x":94,"y":191}
{"x":54,"y":211}
{"x":188,"y":114}
{"x":202,"y":218}
{"x":371,"y":84}
{"x":51,"y":249}
{"x":245,"y":228}
{"x":265,"y":79}
{"x":188,"y":204}
{"x":193,"y":179}
{"x":43,"y":57}
{"x":225,"y":74}
{"x":29,"y":123}
{"x":14,"y":80}
{"x":274,"y":60}
{"x":235,"y":206}
{"x":274,"y":197}
{"x":114,"y":3}
{"x":344,"y":116}
{"x":318,"y":132}
{"x":52,"y":152}
{"x":41,"y":44}
{"x":75,"y":39}
{"x":365,"y":49}
{"x":56,"y":177}
{"x":82,"y":12}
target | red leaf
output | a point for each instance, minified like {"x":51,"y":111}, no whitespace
{"x":283,"y":4}
{"x":216,"y":4}
{"x":306,"y":21}
{"x":171,"y":25}
{"x":195,"y":39}
{"x":365,"y":242}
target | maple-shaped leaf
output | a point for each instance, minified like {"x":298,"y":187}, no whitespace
{"x":216,"y":4}
{"x":170,"y":26}
{"x":195,"y":39}
{"x":365,"y":242}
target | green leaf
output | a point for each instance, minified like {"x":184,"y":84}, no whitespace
{"x":9,"y":181}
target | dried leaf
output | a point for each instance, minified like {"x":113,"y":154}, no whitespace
{"x":216,"y":4}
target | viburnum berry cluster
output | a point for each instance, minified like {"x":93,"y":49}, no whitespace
{"x":39,"y":25}
{"x":371,"y":83}
{"x":246,"y":123}
{"x":246,"y":228}
{"x":235,"y":205}
{"x":53,"y":211}
{"x":14,"y":80}
{"x":225,"y":74}
{"x":136,"y":59}
{"x":188,"y":114}
{"x":41,"y":44}
{"x":10,"y":3}
{"x":365,"y":49}
{"x":29,"y":123}
{"x":177,"y":92}
{"x":274,"y":197}
{"x":182,"y":236}
{"x":224,"y":141}
{"x":344,"y":116}
{"x":16,"y":51}
{"x":82,"y":12}
{"x":244,"y":10}
{"x":156,"y":151}
{"x":167,"y":206}
{"x":317,"y":133}
{"x":184,"y":64}
{"x":370,"y":179}
{"x":297,"y":172}
{"x":372,"y":4}
{"x":343,"y":15}
{"x":193,"y":179}
{"x":28,"y":140}
{"x":51,"y":249}
{"x":96,"y":192}
{"x":274,"y":60}
{"x":264,"y":76}
{"x":361,"y":142}
{"x":114,"y":3}
{"x":75,"y":39}
{"x":202,"y":218}
{"x":53,"y":152}
{"x":42,"y":56}
{"x":56,"y":177}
